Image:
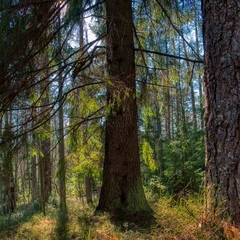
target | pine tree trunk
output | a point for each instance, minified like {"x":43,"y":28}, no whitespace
{"x":222,"y":84}
{"x":122,"y":191}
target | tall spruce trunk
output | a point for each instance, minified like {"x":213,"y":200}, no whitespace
{"x":122,"y":191}
{"x":222,"y":88}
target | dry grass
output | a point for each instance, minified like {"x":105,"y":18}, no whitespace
{"x":174,"y":220}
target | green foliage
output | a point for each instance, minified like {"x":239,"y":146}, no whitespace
{"x":155,"y":188}
{"x":147,"y":156}
{"x":184,"y":162}
{"x":88,"y":161}
{"x":84,"y":142}
{"x":75,"y":10}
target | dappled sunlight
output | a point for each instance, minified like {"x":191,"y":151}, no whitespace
{"x":183,"y":219}
{"x":119,"y":120}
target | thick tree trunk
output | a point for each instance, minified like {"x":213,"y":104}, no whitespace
{"x":222,"y":87}
{"x":122,"y":191}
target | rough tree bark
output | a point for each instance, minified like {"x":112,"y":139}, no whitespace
{"x":221,"y":29}
{"x":122,"y":192}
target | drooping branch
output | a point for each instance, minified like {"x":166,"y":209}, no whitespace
{"x":169,"y":55}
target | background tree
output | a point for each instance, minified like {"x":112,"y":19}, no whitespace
{"x":61,"y":144}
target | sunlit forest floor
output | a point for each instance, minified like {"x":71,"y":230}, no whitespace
{"x":175,"y":219}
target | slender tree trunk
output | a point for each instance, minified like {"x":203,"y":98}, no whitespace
{"x":200,"y":88}
{"x":62,"y":163}
{"x":88,"y":188}
{"x":158,"y":141}
{"x":34,"y":178}
{"x":41,"y":178}
{"x":34,"y":170}
{"x":8,"y":176}
{"x":88,"y":180}
{"x":167,"y":114}
{"x":61,"y":146}
{"x":177,"y":103}
{"x":122,"y":191}
{"x":16,"y":164}
{"x":167,"y":98}
{"x":46,"y":141}
{"x":222,"y":83}
{"x":193,"y":104}
{"x":190,"y":75}
{"x":22,"y":180}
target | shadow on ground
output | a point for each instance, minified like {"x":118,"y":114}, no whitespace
{"x":10,"y":223}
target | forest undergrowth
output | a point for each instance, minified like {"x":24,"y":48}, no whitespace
{"x":182,"y":218}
